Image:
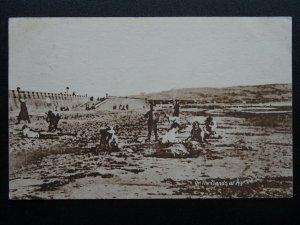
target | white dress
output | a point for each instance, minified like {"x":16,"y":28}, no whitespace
{"x":170,"y":136}
{"x":30,"y":134}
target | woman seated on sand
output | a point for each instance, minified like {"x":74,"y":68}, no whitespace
{"x":170,"y":136}
{"x":196,"y":133}
{"x":210,"y":125}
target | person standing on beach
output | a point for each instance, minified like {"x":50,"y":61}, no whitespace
{"x":51,"y":120}
{"x":176,"y":109}
{"x":23,"y":115}
{"x":152,"y":122}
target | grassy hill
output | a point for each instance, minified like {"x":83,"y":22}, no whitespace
{"x":235,"y":94}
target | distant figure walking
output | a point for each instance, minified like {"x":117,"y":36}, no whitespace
{"x":127,"y":106}
{"x":23,"y":115}
{"x":152,"y":122}
{"x":176,"y":109}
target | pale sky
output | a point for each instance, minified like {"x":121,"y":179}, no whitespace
{"x":124,"y":56}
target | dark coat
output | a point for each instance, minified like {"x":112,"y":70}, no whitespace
{"x":152,"y":116}
{"x":176,"y":110}
{"x":196,"y":134}
{"x":23,"y":115}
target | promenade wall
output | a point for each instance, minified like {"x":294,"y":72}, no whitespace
{"x":39,"y":101}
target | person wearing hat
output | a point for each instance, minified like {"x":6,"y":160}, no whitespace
{"x":23,"y":115}
{"x":112,"y":139}
{"x":110,"y":131}
{"x":108,"y":138}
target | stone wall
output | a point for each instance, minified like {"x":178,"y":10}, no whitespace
{"x":37,"y":101}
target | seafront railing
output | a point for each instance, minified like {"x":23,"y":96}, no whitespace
{"x":42,"y":100}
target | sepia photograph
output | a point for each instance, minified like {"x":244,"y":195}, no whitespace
{"x":150,"y":108}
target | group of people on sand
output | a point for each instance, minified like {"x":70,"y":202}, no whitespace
{"x":201,"y":134}
{"x":87,"y":107}
{"x":51,"y":118}
{"x":152,"y":120}
{"x":109,"y":140}
{"x":198,"y":133}
{"x":121,"y":107}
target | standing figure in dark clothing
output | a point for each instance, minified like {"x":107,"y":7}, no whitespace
{"x":152,"y":122}
{"x":176,"y":109}
{"x":23,"y":115}
{"x":127,"y":106}
{"x":51,"y":120}
{"x":55,"y":122}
